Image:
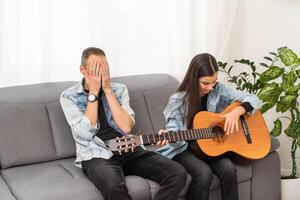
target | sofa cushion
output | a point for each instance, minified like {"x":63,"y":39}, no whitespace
{"x":52,"y":180}
{"x":148,"y":97}
{"x":146,"y":81}
{"x":156,"y":101}
{"x":142,"y":118}
{"x":4,"y":191}
{"x":62,"y":180}
{"x":61,"y":131}
{"x":25,"y":135}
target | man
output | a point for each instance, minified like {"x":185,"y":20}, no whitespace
{"x":98,"y":110}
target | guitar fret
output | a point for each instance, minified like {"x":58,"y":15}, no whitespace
{"x":148,"y":139}
{"x":182,"y":136}
{"x":153,"y":139}
{"x":173,"y":137}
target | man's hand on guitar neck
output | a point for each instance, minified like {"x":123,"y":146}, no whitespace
{"x":232,"y":119}
{"x":164,"y":142}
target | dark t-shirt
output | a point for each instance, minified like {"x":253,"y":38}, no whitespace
{"x":105,"y":132}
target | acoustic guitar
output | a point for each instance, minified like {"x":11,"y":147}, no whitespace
{"x":252,"y":140}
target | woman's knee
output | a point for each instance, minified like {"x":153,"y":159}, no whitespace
{"x":203,"y":175}
{"x":228,"y":170}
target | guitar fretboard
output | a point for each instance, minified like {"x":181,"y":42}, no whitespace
{"x":173,"y":136}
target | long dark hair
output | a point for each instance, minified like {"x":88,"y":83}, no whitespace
{"x":200,"y":66}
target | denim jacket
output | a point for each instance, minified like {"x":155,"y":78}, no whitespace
{"x":218,"y":99}
{"x":88,"y":145}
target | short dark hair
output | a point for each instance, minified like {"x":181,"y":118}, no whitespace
{"x":90,"y":51}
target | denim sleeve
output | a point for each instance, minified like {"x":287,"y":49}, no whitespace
{"x":242,"y":96}
{"x":125,"y":103}
{"x":79,"y":123}
{"x":174,"y":116}
{"x":175,"y":121}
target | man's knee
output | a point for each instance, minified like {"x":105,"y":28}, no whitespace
{"x":177,"y":173}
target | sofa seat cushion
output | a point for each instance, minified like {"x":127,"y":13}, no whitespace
{"x":62,"y":180}
{"x":53,"y":180}
{"x":4,"y":191}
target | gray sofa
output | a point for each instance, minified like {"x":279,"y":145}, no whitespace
{"x":37,"y":150}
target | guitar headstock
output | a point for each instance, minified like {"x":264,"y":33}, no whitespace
{"x":124,"y":144}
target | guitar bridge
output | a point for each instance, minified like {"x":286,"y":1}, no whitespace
{"x":246,"y":129}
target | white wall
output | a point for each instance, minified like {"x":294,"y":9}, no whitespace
{"x":262,"y":26}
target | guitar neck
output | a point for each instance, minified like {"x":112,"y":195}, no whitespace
{"x":173,"y":136}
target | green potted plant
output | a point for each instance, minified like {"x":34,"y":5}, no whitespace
{"x":284,"y":94}
{"x":277,"y":86}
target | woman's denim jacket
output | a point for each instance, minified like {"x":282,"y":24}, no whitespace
{"x":218,"y":99}
{"x":73,"y":102}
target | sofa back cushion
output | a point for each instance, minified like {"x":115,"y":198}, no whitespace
{"x":148,"y":97}
{"x":33,"y":128}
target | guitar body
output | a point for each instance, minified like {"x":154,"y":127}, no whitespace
{"x":235,"y":142}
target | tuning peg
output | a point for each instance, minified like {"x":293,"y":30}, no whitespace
{"x":126,"y":150}
{"x":120,"y":152}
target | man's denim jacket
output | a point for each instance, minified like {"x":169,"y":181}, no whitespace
{"x":218,"y":99}
{"x":74,"y":102}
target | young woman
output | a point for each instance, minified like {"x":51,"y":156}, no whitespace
{"x":200,"y":91}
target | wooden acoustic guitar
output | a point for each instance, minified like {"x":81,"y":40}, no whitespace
{"x":252,"y":140}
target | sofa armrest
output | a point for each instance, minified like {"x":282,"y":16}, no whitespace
{"x":275,"y":144}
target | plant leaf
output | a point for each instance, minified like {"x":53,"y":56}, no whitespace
{"x":286,"y":102}
{"x":273,"y":53}
{"x":270,"y":92}
{"x":230,"y":68}
{"x":264,"y":65}
{"x":264,"y":108}
{"x":276,"y":131}
{"x":292,"y":90}
{"x":291,"y":130}
{"x":272,"y":73}
{"x":298,"y":73}
{"x":288,"y":79}
{"x":268,"y":58}
{"x":287,"y":56}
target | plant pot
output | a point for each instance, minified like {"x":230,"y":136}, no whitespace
{"x":290,"y":188}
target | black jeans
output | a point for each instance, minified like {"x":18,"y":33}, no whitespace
{"x":109,"y":175}
{"x":202,"y":174}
